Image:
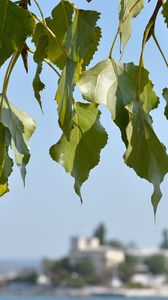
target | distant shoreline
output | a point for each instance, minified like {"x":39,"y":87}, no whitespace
{"x":85,"y":292}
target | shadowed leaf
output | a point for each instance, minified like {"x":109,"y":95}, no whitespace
{"x":38,"y":85}
{"x":92,"y":48}
{"x":16,"y":24}
{"x":81,"y":34}
{"x":145,"y":153}
{"x":165,"y":95}
{"x":165,"y":12}
{"x":64,"y":95}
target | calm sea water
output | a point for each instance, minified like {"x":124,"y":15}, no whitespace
{"x":75,"y":298}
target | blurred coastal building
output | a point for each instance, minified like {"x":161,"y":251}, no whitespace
{"x":103,"y":257}
{"x":151,"y":266}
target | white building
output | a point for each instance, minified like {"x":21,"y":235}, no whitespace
{"x":104,"y":258}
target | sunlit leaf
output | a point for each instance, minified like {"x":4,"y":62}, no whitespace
{"x":145,"y":153}
{"x":82,"y":152}
{"x":21,"y":127}
{"x":114,"y":85}
{"x":149,"y":98}
{"x":3,"y":189}
{"x":165,"y":95}
{"x":16,"y":24}
{"x":128,"y":9}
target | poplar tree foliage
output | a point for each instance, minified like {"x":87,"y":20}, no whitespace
{"x":67,"y":41}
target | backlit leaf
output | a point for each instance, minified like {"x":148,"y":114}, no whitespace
{"x":16,"y":24}
{"x":58,"y":23}
{"x":128,"y":9}
{"x":145,"y":153}
{"x":3,"y":189}
{"x":149,"y":98}
{"x":82,"y":152}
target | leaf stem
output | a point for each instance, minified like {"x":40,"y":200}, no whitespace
{"x":149,"y":31}
{"x":141,"y":64}
{"x":41,"y":13}
{"x":8,"y":74}
{"x":47,"y":62}
{"x":113,"y":44}
{"x":161,"y":52}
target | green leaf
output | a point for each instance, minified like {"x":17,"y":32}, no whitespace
{"x":6,"y":163}
{"x":41,"y":51}
{"x":94,"y":43}
{"x":21,"y":127}
{"x":165,"y":12}
{"x":165,"y":95}
{"x":128,"y":9}
{"x":38,"y":85}
{"x":3,"y":189}
{"x":114,"y":85}
{"x":64,"y":95}
{"x":58,"y":24}
{"x":81,"y":33}
{"x":39,"y":56}
{"x":145,"y":153}
{"x":149,"y":98}
{"x":79,"y":37}
{"x":16,"y":24}
{"x":82,"y":152}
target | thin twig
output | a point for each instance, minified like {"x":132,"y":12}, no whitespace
{"x":8,"y":74}
{"x":149,"y":31}
{"x":161,"y":52}
{"x":41,"y":13}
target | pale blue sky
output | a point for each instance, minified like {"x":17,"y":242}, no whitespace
{"x":39,"y":220}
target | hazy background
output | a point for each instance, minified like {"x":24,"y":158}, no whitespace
{"x":39,"y":220}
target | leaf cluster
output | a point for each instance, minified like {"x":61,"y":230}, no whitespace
{"x":67,"y":41}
